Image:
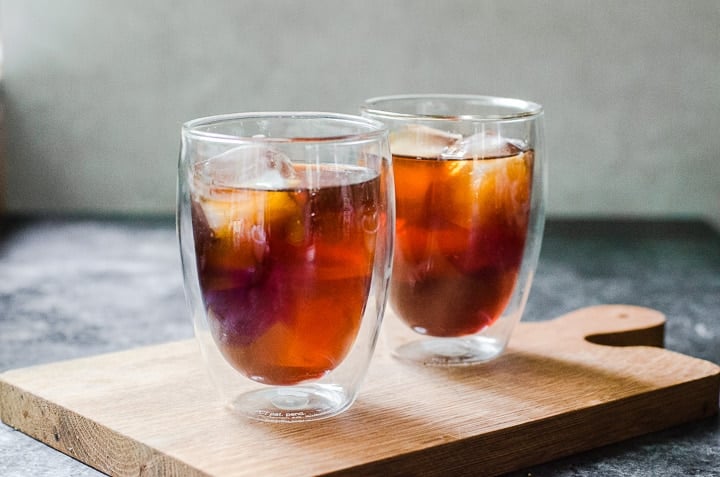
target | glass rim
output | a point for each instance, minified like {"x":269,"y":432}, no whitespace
{"x":372,"y":128}
{"x":523,"y":109}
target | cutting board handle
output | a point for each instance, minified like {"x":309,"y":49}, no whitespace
{"x":614,"y":325}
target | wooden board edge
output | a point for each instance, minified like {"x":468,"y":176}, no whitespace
{"x":172,"y":347}
{"x":83,"y":439}
{"x":556,"y":436}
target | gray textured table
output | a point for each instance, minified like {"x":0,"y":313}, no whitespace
{"x":79,"y":287}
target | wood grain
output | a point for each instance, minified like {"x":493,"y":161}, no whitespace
{"x":589,"y":378}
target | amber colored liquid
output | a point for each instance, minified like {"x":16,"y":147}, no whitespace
{"x":285,"y":274}
{"x":460,"y":234}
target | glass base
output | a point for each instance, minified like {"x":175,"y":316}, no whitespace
{"x":303,"y":403}
{"x":463,"y":351}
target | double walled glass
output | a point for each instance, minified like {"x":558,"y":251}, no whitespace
{"x":470,"y":185}
{"x":285,"y":223}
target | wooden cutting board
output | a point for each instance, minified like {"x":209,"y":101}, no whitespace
{"x":563,"y":386}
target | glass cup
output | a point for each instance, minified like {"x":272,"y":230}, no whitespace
{"x":470,"y":186}
{"x":285,"y":224}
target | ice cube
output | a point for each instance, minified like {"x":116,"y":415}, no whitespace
{"x":221,"y":184}
{"x":421,"y":141}
{"x":483,"y":145}
{"x":253,"y":165}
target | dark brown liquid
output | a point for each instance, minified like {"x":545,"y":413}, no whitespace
{"x":285,"y":274}
{"x":460,"y":235}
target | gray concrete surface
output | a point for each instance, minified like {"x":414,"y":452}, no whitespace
{"x":73,"y":288}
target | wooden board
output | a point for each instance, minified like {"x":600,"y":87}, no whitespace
{"x":560,"y":388}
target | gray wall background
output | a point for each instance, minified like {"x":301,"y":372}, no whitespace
{"x":95,"y":91}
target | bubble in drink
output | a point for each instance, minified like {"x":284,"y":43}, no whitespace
{"x":462,"y":218}
{"x":284,"y":271}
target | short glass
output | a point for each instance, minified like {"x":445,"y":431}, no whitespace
{"x":470,"y":192}
{"x":285,"y":223}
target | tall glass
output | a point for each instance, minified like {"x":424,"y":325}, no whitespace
{"x":470,"y":190}
{"x":285,"y":224}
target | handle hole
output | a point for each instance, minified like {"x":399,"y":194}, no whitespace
{"x":653,"y":336}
